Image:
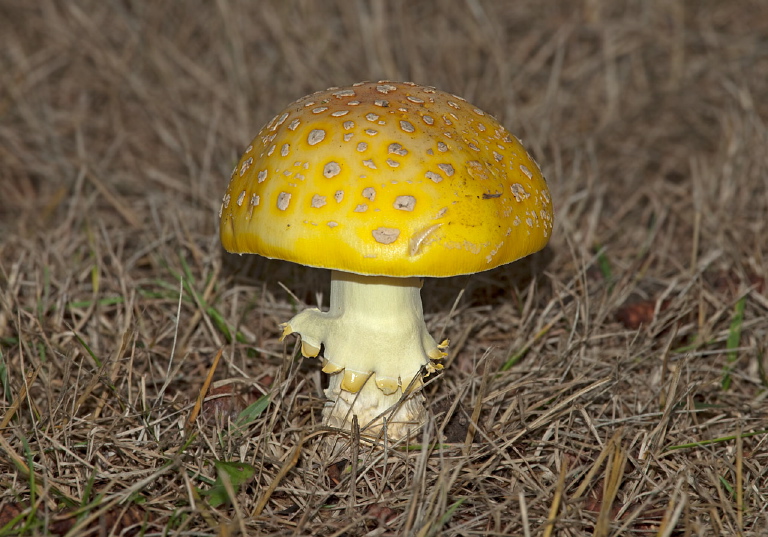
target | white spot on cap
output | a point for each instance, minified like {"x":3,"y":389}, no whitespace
{"x":319,"y":109}
{"x":497,"y":156}
{"x":316,"y":136}
{"x":225,"y":201}
{"x":405,"y":203}
{"x":436,"y":177}
{"x":406,"y":126}
{"x":293,"y":124}
{"x":369,"y":193}
{"x":415,"y":99}
{"x":362,"y":146}
{"x":519,"y":192}
{"x":397,"y":149}
{"x":371,"y":132}
{"x":371,"y":116}
{"x":419,"y":239}
{"x":429,"y":120}
{"x":392,"y":163}
{"x":493,"y":252}
{"x":246,"y":164}
{"x":318,"y":201}
{"x":348,"y":136}
{"x":282,"y":119}
{"x":339,"y":113}
{"x":476,"y":170}
{"x":332,"y":224}
{"x":361,"y":208}
{"x":442,"y":147}
{"x":344,"y":93}
{"x":385,"y":88}
{"x":381,"y":102}
{"x":369,"y":164}
{"x":241,"y":198}
{"x":284,"y":150}
{"x":283,"y":199}
{"x":255,"y":199}
{"x":526,"y":171}
{"x":262,"y":176}
{"x":348,"y":125}
{"x":271,"y":150}
{"x":331,"y":169}
{"x":447,"y":168}
{"x":385,"y":235}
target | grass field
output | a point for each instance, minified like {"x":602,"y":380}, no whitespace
{"x":613,"y":384}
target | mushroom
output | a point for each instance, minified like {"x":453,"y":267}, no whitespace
{"x":384,"y":183}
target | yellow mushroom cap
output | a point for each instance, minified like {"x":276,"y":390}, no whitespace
{"x":389,"y":179}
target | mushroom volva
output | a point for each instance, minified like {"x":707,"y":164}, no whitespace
{"x":384,"y":183}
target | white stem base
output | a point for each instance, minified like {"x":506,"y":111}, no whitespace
{"x":376,"y":346}
{"x":373,"y":409}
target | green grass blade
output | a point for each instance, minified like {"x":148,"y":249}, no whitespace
{"x":253,"y":411}
{"x":87,"y":348}
{"x":718,"y":440}
{"x":733,"y":341}
{"x":435,"y":529}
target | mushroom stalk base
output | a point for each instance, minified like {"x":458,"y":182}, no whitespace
{"x":376,"y":348}
{"x":403,"y":415}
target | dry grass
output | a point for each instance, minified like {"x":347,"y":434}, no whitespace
{"x":617,"y":381}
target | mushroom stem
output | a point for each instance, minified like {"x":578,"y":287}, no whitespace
{"x":375,"y":344}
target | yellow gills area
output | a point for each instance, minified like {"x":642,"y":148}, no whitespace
{"x":386,"y":179}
